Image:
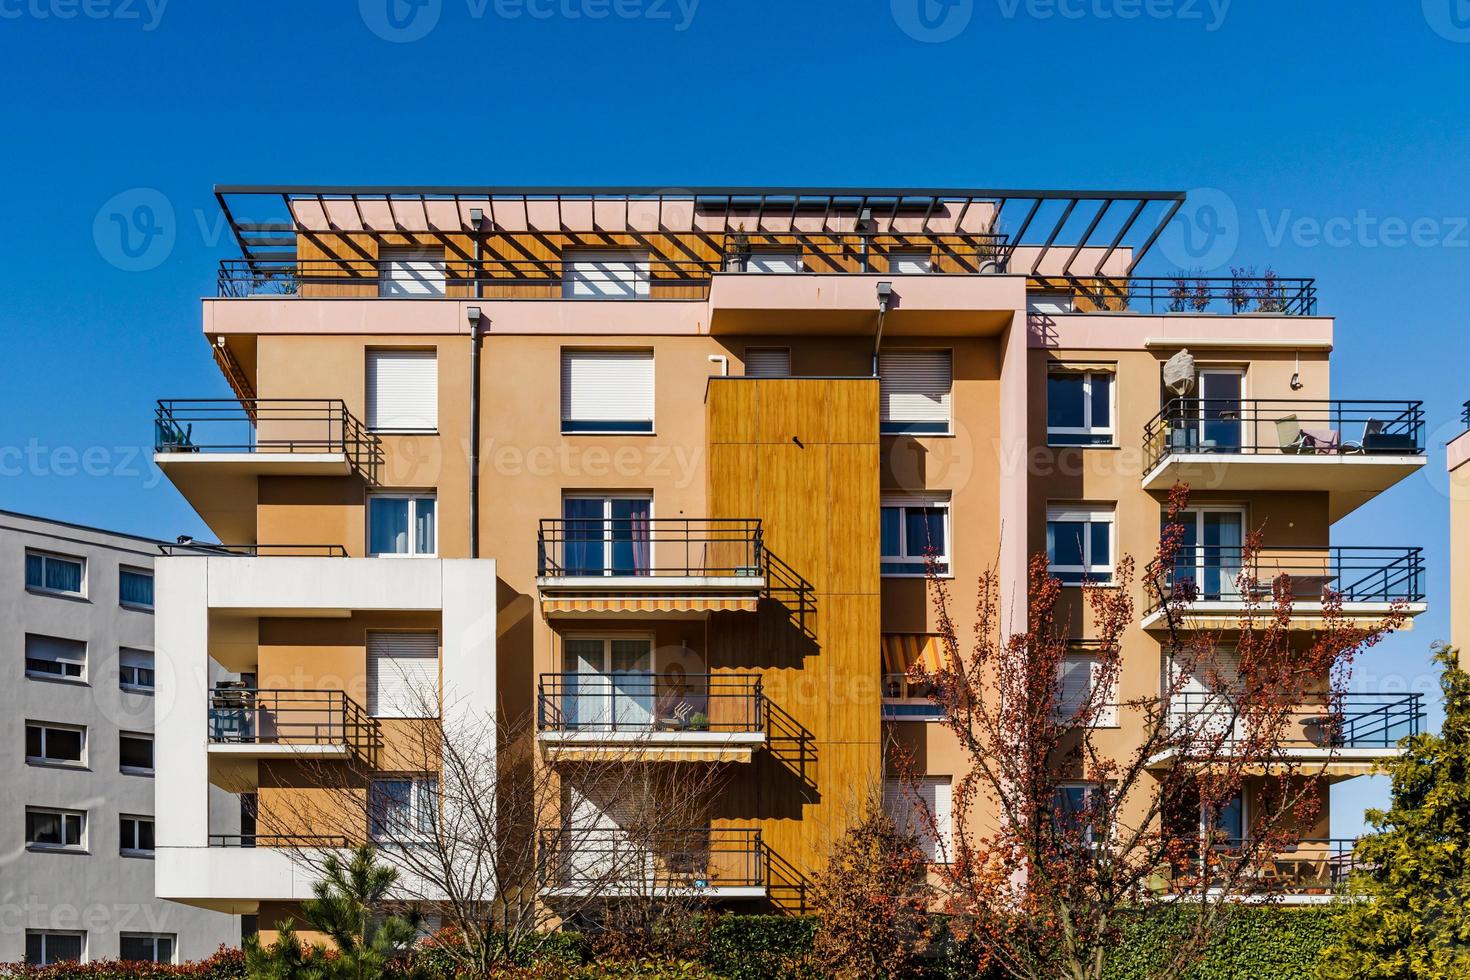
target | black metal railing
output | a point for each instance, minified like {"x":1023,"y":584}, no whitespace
{"x":250,"y":716}
{"x":1185,"y":294}
{"x":1465,"y":415}
{"x":662,"y":546}
{"x":1285,"y":426}
{"x":647,"y":703}
{"x":1218,"y":573}
{"x":1321,"y":721}
{"x":206,"y":550}
{"x":618,"y":862}
{"x":283,"y":841}
{"x":1310,"y":866}
{"x":264,"y":425}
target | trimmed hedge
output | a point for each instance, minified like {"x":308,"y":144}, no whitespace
{"x":1259,"y":942}
{"x":226,"y":964}
{"x":763,"y":947}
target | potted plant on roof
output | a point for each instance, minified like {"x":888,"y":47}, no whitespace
{"x":1239,"y":292}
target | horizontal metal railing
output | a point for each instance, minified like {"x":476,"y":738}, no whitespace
{"x":254,"y":550}
{"x":1217,"y":573}
{"x":1186,"y":294}
{"x":251,"y":716}
{"x":1310,"y":866}
{"x":1285,"y":426}
{"x":648,"y":703}
{"x":661,"y":546}
{"x":614,"y":860}
{"x":1321,"y":721}
{"x":263,"y":425}
{"x":284,"y":841}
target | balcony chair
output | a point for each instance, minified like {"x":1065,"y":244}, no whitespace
{"x":1375,"y":440}
{"x":170,"y":437}
{"x":1289,"y":432}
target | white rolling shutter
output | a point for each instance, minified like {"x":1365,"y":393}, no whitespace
{"x":908,"y":263}
{"x":914,"y":391}
{"x":607,"y":390}
{"x":410,"y":272}
{"x":774,"y":262}
{"x":605,"y":275}
{"x":402,"y":390}
{"x":1079,"y":677}
{"x":768,"y":362}
{"x":936,"y":794}
{"x":403,"y":674}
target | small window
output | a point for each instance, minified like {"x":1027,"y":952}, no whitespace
{"x":1077,"y":677}
{"x":135,"y":588}
{"x":54,"y":573}
{"x":923,"y":808}
{"x":135,"y":670}
{"x":55,"y":658}
{"x":48,"y":744}
{"x":903,"y":697}
{"x":48,"y":829}
{"x":914,"y":392}
{"x":403,"y":675}
{"x":606,"y":391}
{"x":146,"y":947}
{"x":1079,"y":406}
{"x":913,"y":531}
{"x":402,"y":809}
{"x":135,"y":837}
{"x":768,"y":362}
{"x":1079,"y":543}
{"x":411,"y":272}
{"x":135,"y":753}
{"x":909,"y":262}
{"x":605,"y":275}
{"x":1074,"y":809}
{"x":47,"y":946}
{"x":402,"y":524}
{"x":777,"y":261}
{"x":1049,"y":303}
{"x":402,"y":391}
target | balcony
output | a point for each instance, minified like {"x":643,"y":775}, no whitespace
{"x":610,"y":862}
{"x":1350,"y":450}
{"x":213,"y":450}
{"x":635,"y":566}
{"x":1223,"y":583}
{"x":642,"y":717}
{"x":1309,"y":871}
{"x":248,"y":723}
{"x":1188,"y":295}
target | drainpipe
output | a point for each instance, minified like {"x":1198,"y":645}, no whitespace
{"x":885,"y":296}
{"x":473,"y":314}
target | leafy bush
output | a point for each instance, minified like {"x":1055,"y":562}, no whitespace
{"x":225,"y":964}
{"x":1259,"y":942}
{"x":763,"y":947}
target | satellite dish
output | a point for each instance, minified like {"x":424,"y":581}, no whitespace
{"x":1179,"y":373}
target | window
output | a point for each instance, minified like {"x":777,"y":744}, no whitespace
{"x":54,"y":657}
{"x":54,"y":744}
{"x":135,"y":669}
{"x":48,"y":829}
{"x":606,"y":535}
{"x":402,"y":391}
{"x":768,"y":362}
{"x":146,"y":947}
{"x":135,"y":836}
{"x":774,"y":260}
{"x":1079,"y":543}
{"x":1048,"y":303}
{"x":607,"y":390}
{"x":903,"y":697}
{"x":912,"y":530}
{"x":403,"y":675}
{"x":1212,"y":552}
{"x":401,"y":524}
{"x":922,"y":808}
{"x":909,"y":262}
{"x":135,"y":752}
{"x":1077,"y":677}
{"x":47,"y":946}
{"x":914,"y":392}
{"x":1075,"y":807}
{"x":609,"y":681}
{"x":402,"y":809}
{"x":1079,"y":406}
{"x":411,"y":272}
{"x":135,"y":588}
{"x":54,"y":573}
{"x":605,"y":275}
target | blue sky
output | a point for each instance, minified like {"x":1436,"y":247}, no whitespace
{"x":1333,"y":132}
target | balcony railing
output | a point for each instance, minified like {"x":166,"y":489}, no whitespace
{"x":1285,"y":427}
{"x":186,"y":549}
{"x":652,"y":547}
{"x":282,"y":841}
{"x":1188,"y":294}
{"x":636,"y":703}
{"x":263,"y":425}
{"x":250,"y":716}
{"x":617,"y":862}
{"x":1323,"y":721}
{"x":1216,"y":573}
{"x":1308,"y":867}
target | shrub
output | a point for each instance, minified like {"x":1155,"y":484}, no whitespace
{"x":1260,"y":942}
{"x":763,"y":947}
{"x":225,"y":964}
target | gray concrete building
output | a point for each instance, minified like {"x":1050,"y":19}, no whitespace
{"x":78,"y":698}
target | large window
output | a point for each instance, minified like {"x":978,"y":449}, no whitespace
{"x":146,"y":947}
{"x":47,"y":946}
{"x":403,"y":675}
{"x":51,"y":744}
{"x":135,"y":670}
{"x":55,"y":658}
{"x":55,"y":573}
{"x":402,"y":391}
{"x":606,"y":535}
{"x":402,"y":809}
{"x":605,"y":275}
{"x":1079,"y":543}
{"x":401,"y":524}
{"x":1212,"y":551}
{"x":607,"y":391}
{"x":135,"y":588}
{"x":135,"y":753}
{"x":135,"y":836}
{"x":914,"y":392}
{"x":49,"y":829}
{"x":1079,"y":406}
{"x":913,"y":530}
{"x":609,"y":683}
{"x":411,"y":272}
{"x":923,"y":808}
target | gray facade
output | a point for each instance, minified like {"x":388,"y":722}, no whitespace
{"x":70,"y":777}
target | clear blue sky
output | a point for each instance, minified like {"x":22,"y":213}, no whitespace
{"x":1299,"y":114}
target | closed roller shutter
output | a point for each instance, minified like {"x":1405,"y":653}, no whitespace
{"x":914,"y":391}
{"x":607,"y":391}
{"x":411,"y":272}
{"x":774,"y":262}
{"x":767,"y":362}
{"x":605,"y":275}
{"x":935,"y":794}
{"x":403,"y":675}
{"x":402,"y":390}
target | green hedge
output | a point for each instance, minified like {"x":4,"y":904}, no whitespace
{"x":1259,"y":943}
{"x":763,"y":947}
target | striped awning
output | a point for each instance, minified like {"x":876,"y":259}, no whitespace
{"x":644,"y":605}
{"x":648,"y":753}
{"x":901,"y":651}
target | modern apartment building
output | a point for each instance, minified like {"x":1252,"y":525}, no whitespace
{"x":79,"y":703}
{"x":665,"y":470}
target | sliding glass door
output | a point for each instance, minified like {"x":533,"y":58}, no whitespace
{"x":607,"y":535}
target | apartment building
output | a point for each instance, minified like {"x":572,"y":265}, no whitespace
{"x":79,"y":704}
{"x":664,"y":471}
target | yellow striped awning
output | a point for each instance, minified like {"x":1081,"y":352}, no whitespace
{"x":644,"y":605}
{"x":901,"y":651}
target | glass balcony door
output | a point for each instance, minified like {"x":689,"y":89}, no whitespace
{"x":1220,"y":392}
{"x":1210,"y":554}
{"x":609,"y":683}
{"x":607,"y":535}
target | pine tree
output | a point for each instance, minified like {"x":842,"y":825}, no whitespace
{"x":349,"y":900}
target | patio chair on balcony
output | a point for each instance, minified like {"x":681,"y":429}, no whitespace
{"x":170,"y":437}
{"x":1289,"y":432}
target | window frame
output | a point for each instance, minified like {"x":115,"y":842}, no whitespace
{"x":373,"y":692}
{"x":137,"y":820}
{"x":413,"y":497}
{"x":388,"y":287}
{"x":44,"y":934}
{"x":141,"y":573}
{"x":55,"y":556}
{"x":152,"y":668}
{"x":128,"y":770}
{"x":898,"y":255}
{"x":78,"y":848}
{"x":1089,"y":788}
{"x":418,"y":806}
{"x":1107,"y":716}
{"x":1087,"y":428}
{"x":909,"y":821}
{"x":1088,"y":514}
{"x":371,"y":403}
{"x":917,"y":428}
{"x":607,"y":427}
{"x":49,"y":761}
{"x":609,"y":570}
{"x":155,"y":937}
{"x":942,"y":501}
{"x":640,"y":259}
{"x":64,"y":678}
{"x":770,"y":254}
